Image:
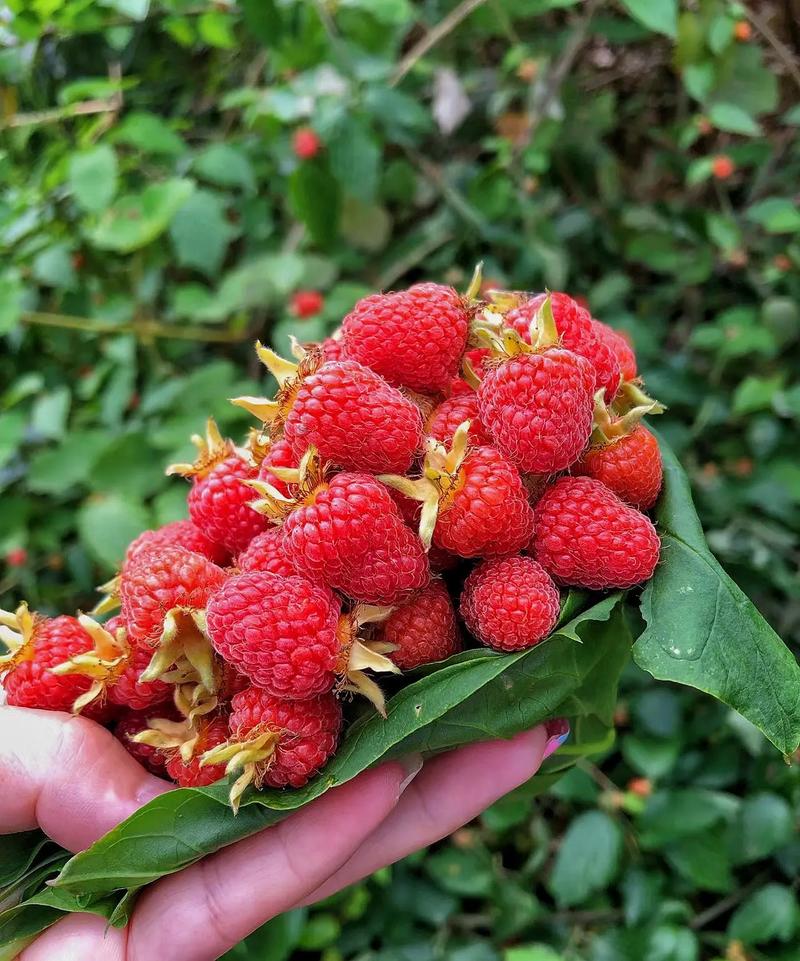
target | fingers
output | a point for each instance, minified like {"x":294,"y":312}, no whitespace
{"x":68,"y":776}
{"x":449,"y":791}
{"x":77,"y":938}
{"x":217,"y":902}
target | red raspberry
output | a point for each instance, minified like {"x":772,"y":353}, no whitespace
{"x":350,"y":414}
{"x":267,"y":552}
{"x":36,"y":645}
{"x":280,"y":454}
{"x":451,"y":413}
{"x":538,"y":408}
{"x":333,"y":348}
{"x":129,"y":690}
{"x":17,"y":557}
{"x":475,"y":357}
{"x":159,"y":581}
{"x":305,"y":734}
{"x":620,"y":345}
{"x":148,"y":756}
{"x":414,"y":338}
{"x":193,"y":773}
{"x":178,"y":534}
{"x":278,"y":631}
{"x":574,"y":325}
{"x":411,"y":511}
{"x":350,"y":535}
{"x":630,"y":466}
{"x":424,"y":629}
{"x":305,"y":143}
{"x":722,"y":167}
{"x":510,"y":604}
{"x":585,"y":536}
{"x":306,"y":303}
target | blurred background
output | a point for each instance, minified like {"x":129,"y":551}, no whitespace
{"x":181,"y":176}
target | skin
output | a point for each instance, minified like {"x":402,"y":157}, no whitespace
{"x":72,"y":779}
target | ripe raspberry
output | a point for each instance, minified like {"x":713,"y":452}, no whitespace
{"x":157,"y":583}
{"x":722,"y":167}
{"x":574,"y":325}
{"x":305,"y":143}
{"x":510,"y":604}
{"x":148,"y":756}
{"x":17,"y":557}
{"x":475,"y":504}
{"x":411,"y":511}
{"x":350,"y":414}
{"x":267,"y":552}
{"x":742,"y":31}
{"x":178,"y":534}
{"x":350,"y":535}
{"x":538,"y":408}
{"x":450,"y":414}
{"x":278,"y":631}
{"x":129,"y":690}
{"x":36,"y":645}
{"x":585,"y":536}
{"x":333,"y":348}
{"x":424,"y":629}
{"x":619,"y":344}
{"x":192,"y":773}
{"x":219,"y":500}
{"x":281,"y":455}
{"x":630,"y":466}
{"x":414,"y":338}
{"x":306,"y":303}
{"x":278,"y":743}
{"x":474,"y":358}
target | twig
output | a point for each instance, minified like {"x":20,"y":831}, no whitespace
{"x":38,"y":118}
{"x":432,"y":37}
{"x":783,"y":53}
{"x":585,"y":917}
{"x":594,"y":772}
{"x":401,"y":267}
{"x":723,"y":906}
{"x":144,"y":329}
{"x":434,"y":174}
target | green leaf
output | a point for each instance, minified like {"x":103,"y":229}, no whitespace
{"x":55,"y":470}
{"x":531,"y":952}
{"x":53,"y":267}
{"x":227,"y":166}
{"x":200,"y":232}
{"x":148,"y":133}
{"x":135,"y":9}
{"x":702,"y":630}
{"x":12,"y":430}
{"x":703,"y":859}
{"x":216,"y":28}
{"x":276,"y":940}
{"x":108,"y":524}
{"x":354,"y":158}
{"x":50,"y":412}
{"x":263,"y":20}
{"x":682,"y":812}
{"x":756,"y":393}
{"x":93,"y":178}
{"x":315,"y":200}
{"x":12,"y":299}
{"x":476,"y":695}
{"x":733,"y":119}
{"x":136,"y":220}
{"x":769,"y":914}
{"x":777,"y":215}
{"x":588,"y":858}
{"x":764,"y":824}
{"x":658,"y":15}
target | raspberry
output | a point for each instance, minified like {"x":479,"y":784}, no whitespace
{"x":305,"y":143}
{"x":574,"y":325}
{"x":219,"y":499}
{"x":191,"y":772}
{"x":129,"y":690}
{"x":621,"y":347}
{"x":36,"y":645}
{"x":17,"y":557}
{"x":475,"y":503}
{"x":148,"y":756}
{"x":267,"y":552}
{"x":424,"y":629}
{"x":178,"y":534}
{"x":722,"y":167}
{"x":332,"y":348}
{"x":280,"y":454}
{"x":306,"y":303}
{"x":280,"y":632}
{"x":630,"y":466}
{"x":276,"y":742}
{"x":585,"y":536}
{"x":451,"y":413}
{"x":510,"y":604}
{"x":351,"y":415}
{"x":350,"y":535}
{"x":474,"y":358}
{"x":538,"y":408}
{"x":414,"y":338}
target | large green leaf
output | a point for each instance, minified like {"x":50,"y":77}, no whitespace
{"x":702,"y":630}
{"x":476,"y":695}
{"x":135,"y":220}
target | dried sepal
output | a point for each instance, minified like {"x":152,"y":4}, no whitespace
{"x":17,"y":635}
{"x":102,"y":665}
{"x":211,"y":450}
{"x":609,"y":427}
{"x":360,"y":654}
{"x":184,"y":638}
{"x":251,"y":757}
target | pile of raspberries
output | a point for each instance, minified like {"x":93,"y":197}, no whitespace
{"x":428,"y":477}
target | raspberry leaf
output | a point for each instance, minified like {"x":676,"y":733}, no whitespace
{"x":704,"y":632}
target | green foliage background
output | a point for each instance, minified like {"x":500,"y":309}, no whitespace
{"x":155,"y":220}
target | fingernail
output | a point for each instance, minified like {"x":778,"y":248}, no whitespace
{"x":412,"y":765}
{"x":554,"y":743}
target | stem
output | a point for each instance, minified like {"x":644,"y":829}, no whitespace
{"x":143,"y":329}
{"x":432,"y":37}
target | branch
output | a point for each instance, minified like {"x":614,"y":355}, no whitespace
{"x":432,"y":37}
{"x":781,"y":50}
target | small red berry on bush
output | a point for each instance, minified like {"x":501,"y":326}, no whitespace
{"x":305,"y":143}
{"x":743,"y":31}
{"x":17,"y":557}
{"x":307,"y":303}
{"x":722,"y":167}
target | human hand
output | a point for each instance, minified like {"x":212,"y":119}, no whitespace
{"x":75,"y":781}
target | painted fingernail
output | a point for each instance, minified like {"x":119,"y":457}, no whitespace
{"x":412,"y":765}
{"x":555,"y":742}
